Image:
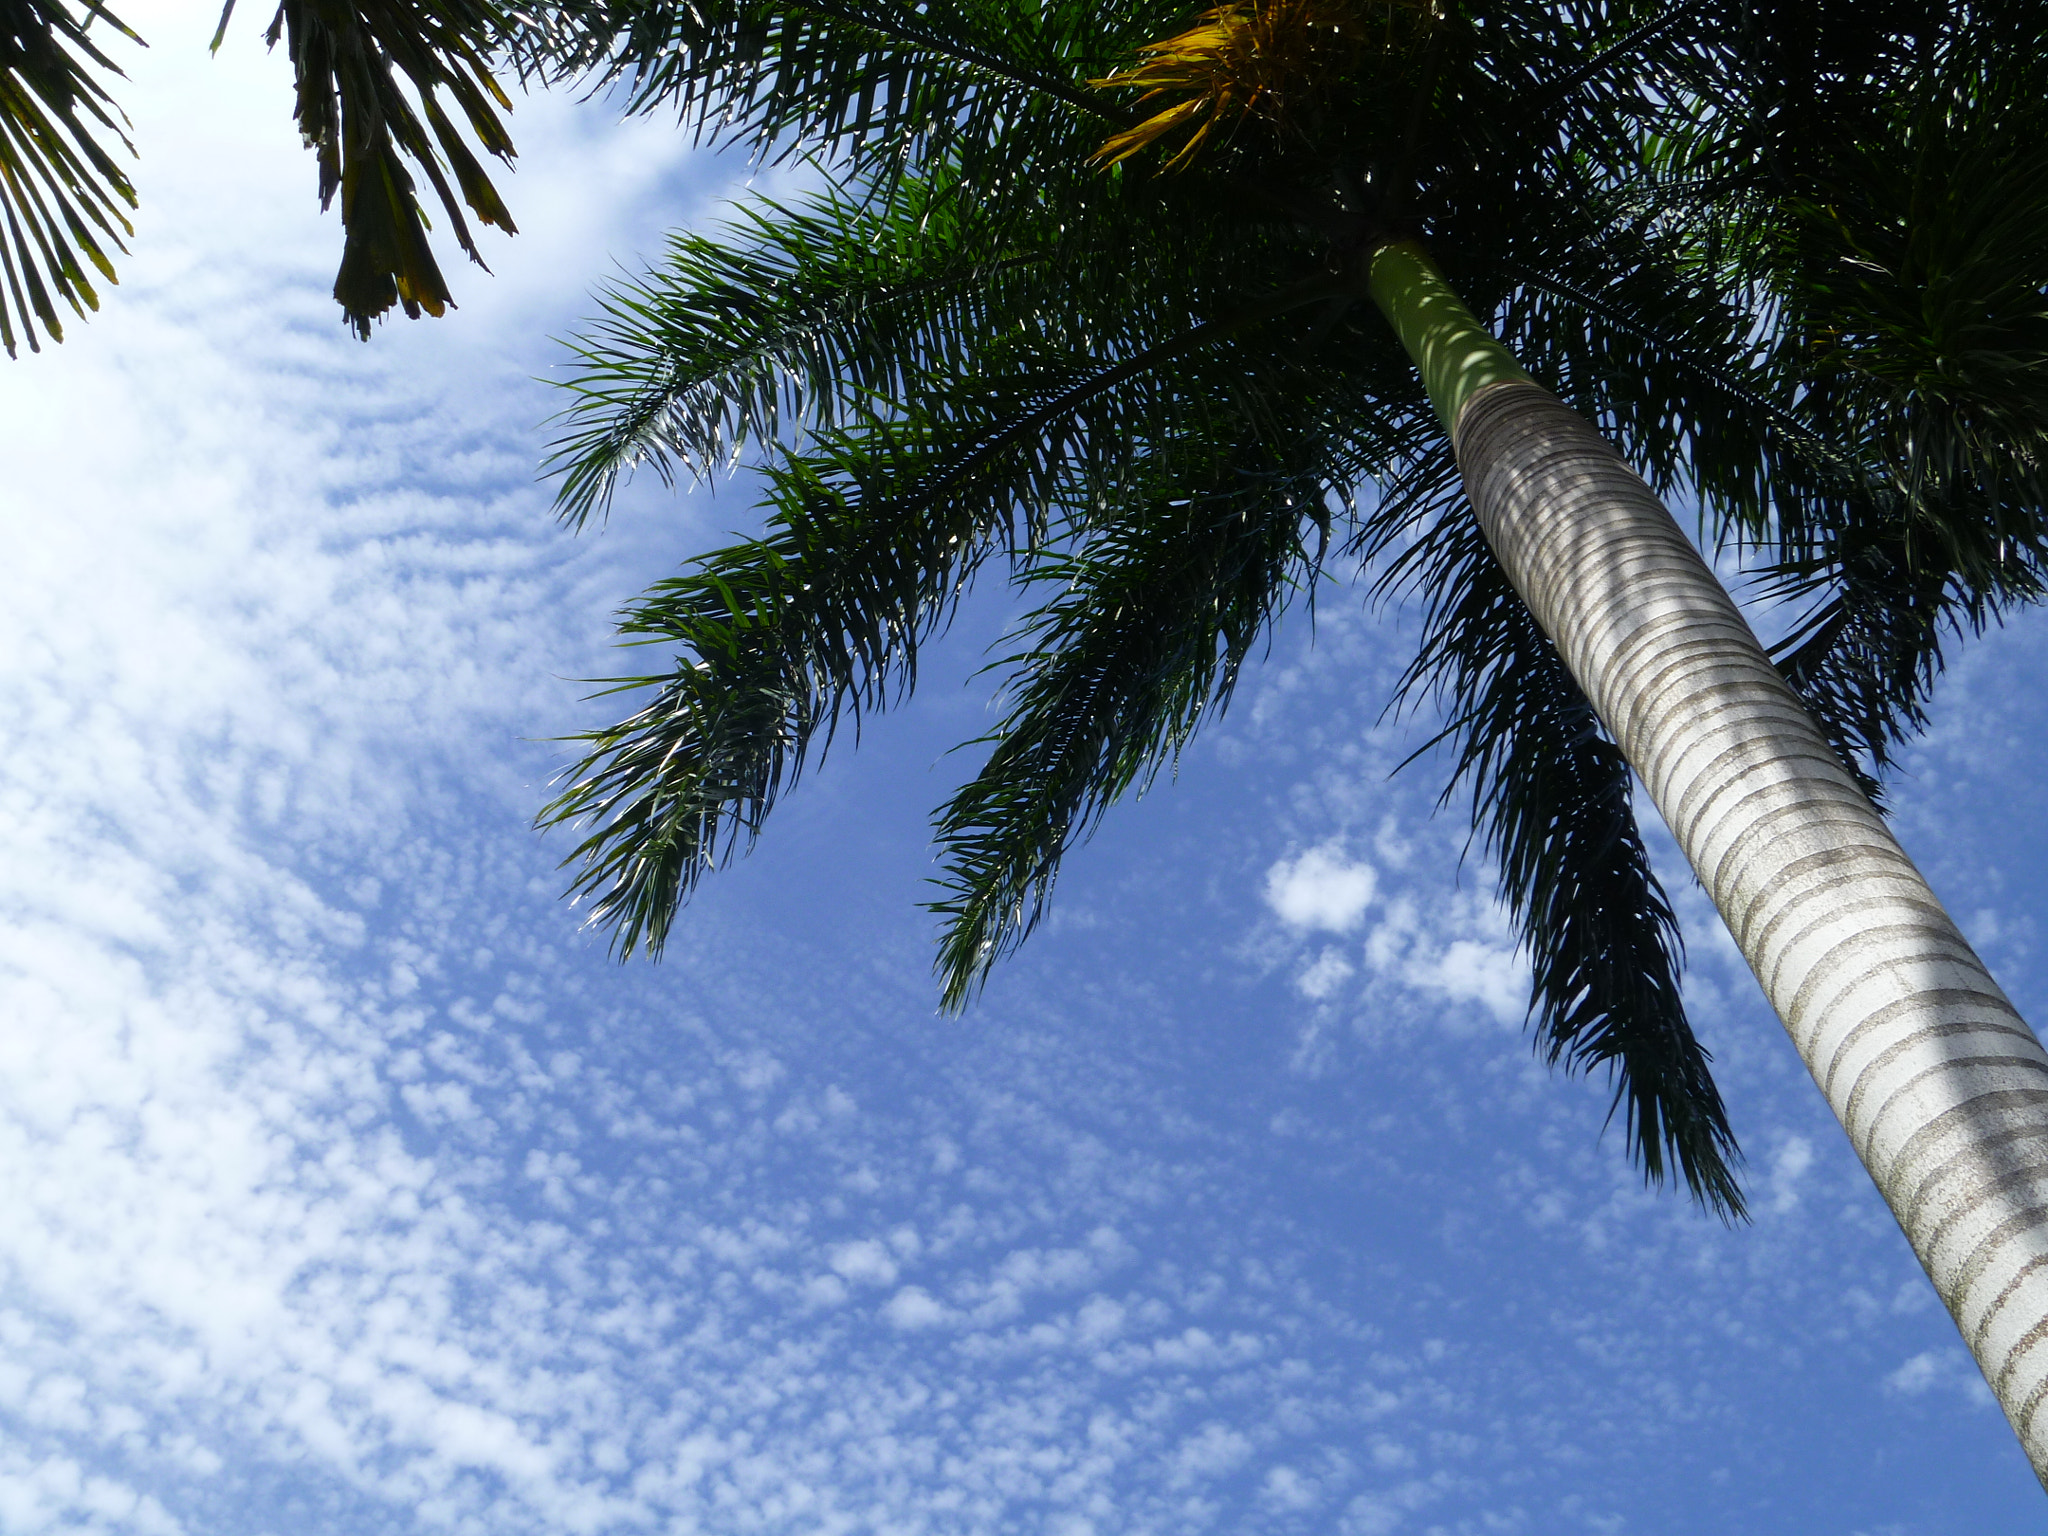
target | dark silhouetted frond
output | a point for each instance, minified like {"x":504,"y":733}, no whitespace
{"x":873,"y":533}
{"x":1551,"y":799}
{"x":875,"y":525}
{"x":1149,"y":625}
{"x":878,"y":87}
{"x":1914,"y":286}
{"x":800,"y":311}
{"x":366,"y":130}
{"x":62,"y":193}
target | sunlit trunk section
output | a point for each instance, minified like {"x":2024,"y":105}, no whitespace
{"x":1940,"y":1084}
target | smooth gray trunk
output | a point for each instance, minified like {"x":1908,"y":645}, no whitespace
{"x":1938,"y":1081}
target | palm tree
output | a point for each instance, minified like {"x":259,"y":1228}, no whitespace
{"x":1132,"y":352}
{"x":62,"y":192}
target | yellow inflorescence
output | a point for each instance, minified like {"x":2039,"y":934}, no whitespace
{"x":1255,"y":57}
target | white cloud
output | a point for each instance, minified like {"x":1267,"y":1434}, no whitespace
{"x":1391,"y":1455}
{"x":1459,"y":951}
{"x":1385,"y":1511}
{"x":1321,"y":889}
{"x":1947,"y":1369}
{"x":1789,"y":1165}
{"x":866,"y":1262}
{"x":914,"y":1307}
{"x":1098,"y":1319}
{"x":1329,"y":971}
{"x":1287,"y":1489}
{"x":1215,"y":1451}
{"x":57,"y":1494}
{"x":1466,"y":970}
{"x":825,"y":1291}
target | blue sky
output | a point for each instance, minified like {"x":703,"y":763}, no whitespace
{"x":350,"y":1187}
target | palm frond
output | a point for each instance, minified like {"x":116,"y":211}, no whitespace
{"x":1915,"y":295}
{"x":875,"y":86}
{"x":777,"y":636}
{"x":830,"y":311}
{"x":814,"y":306}
{"x":1630,"y":49}
{"x":363,"y":127}
{"x":1152,"y":620}
{"x":874,"y":530}
{"x":873,"y":535}
{"x":1866,"y":650}
{"x":61,"y":191}
{"x":1918,"y":298}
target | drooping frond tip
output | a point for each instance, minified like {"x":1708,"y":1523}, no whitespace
{"x":352,"y":111}
{"x":1257,"y":58}
{"x":1551,"y":798}
{"x":62,"y":193}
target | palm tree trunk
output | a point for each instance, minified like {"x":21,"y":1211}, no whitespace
{"x":1940,"y":1084}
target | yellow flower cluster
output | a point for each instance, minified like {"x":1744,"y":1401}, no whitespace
{"x":1257,"y":57}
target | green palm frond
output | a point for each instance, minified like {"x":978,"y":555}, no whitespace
{"x":879,"y":86}
{"x":1866,"y":647}
{"x":1914,"y":288}
{"x":1619,"y":63}
{"x":1150,"y":624}
{"x":784,"y":68}
{"x":798,"y":312}
{"x":776,"y":637}
{"x":62,"y":193}
{"x":875,"y":527}
{"x":873,"y":535}
{"x":804,"y":316}
{"x":1918,"y":293}
{"x":347,"y":60}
